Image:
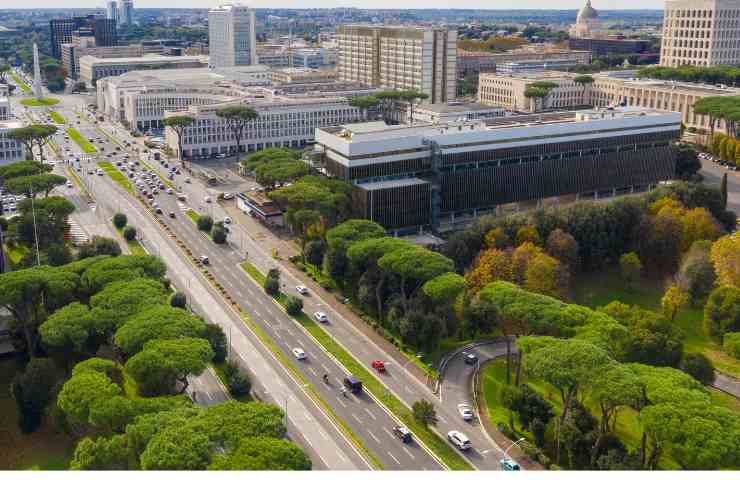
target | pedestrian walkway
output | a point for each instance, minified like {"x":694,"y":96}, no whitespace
{"x":76,"y":234}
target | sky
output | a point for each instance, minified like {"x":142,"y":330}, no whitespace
{"x":479,"y":4}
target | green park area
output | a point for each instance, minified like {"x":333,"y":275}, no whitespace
{"x":57,"y":117}
{"x":44,"y":102}
{"x":81,"y":141}
{"x":116,"y":176}
{"x":23,"y":86}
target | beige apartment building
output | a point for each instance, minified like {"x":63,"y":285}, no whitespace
{"x":701,"y":32}
{"x":480,"y":62}
{"x":401,"y":58}
{"x":618,"y":88}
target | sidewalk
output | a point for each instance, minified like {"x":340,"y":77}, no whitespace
{"x":287,"y":249}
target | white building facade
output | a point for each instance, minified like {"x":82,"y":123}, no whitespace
{"x":10,"y":150}
{"x":701,"y":32}
{"x":232,"y":36}
{"x":282,"y":122}
{"x":399,"y":58}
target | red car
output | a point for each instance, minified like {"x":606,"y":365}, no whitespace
{"x":378,"y":365}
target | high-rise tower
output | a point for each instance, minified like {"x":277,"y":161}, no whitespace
{"x":38,"y":90}
{"x":232,"y":37}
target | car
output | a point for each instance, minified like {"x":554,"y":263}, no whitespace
{"x":207,"y":199}
{"x":459,"y":440}
{"x":300,"y":288}
{"x":298,"y":353}
{"x":187,"y":179}
{"x":469,"y":358}
{"x":227,"y":220}
{"x":99,"y":171}
{"x":158,"y":211}
{"x":172,"y":214}
{"x":378,"y":365}
{"x":204,"y":260}
{"x":465,"y":411}
{"x":69,"y":184}
{"x":321,"y":317}
{"x":509,"y":465}
{"x":228,"y":196}
{"x":170,"y":191}
{"x":403,"y":433}
{"x":352,"y":384}
{"x":221,"y":155}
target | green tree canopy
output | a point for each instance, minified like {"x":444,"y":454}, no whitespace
{"x":112,"y":306}
{"x":161,"y":322}
{"x":68,"y":329}
{"x":163,"y":361}
{"x":81,"y":391}
{"x":263,"y":453}
{"x":32,"y":185}
{"x":125,"y":268}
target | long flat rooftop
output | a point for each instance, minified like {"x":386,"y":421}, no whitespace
{"x":147,"y":59}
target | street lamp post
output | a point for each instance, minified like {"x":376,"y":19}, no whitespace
{"x":509,"y":448}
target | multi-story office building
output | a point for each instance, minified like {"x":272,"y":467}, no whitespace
{"x":139,"y":99}
{"x":412,"y":177}
{"x":303,"y":75}
{"x":232,"y":36}
{"x":608,"y":89}
{"x":111,"y":10}
{"x":474,"y":63}
{"x":104,"y":31}
{"x":508,"y":91}
{"x":5,"y":112}
{"x":609,"y":46}
{"x":454,"y":112}
{"x":282,"y":122}
{"x":701,"y":32}
{"x":93,"y":68}
{"x":534,"y":66}
{"x":10,"y":150}
{"x":401,"y":58}
{"x":71,"y":54}
{"x":126,"y":12}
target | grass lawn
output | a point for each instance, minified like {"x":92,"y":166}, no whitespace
{"x":133,"y":245}
{"x":43,"y":449}
{"x":598,"y":289}
{"x":44,"y":102}
{"x":438,"y":445}
{"x":117,"y":176}
{"x":192,"y":215}
{"x":57,"y":117}
{"x":220,"y":369}
{"x":23,"y":85}
{"x":493,"y":379}
{"x":86,"y":146}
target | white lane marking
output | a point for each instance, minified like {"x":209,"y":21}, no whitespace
{"x":344,"y":405}
{"x":394,"y":458}
{"x":442,"y":418}
{"x":357,"y":418}
{"x":325,"y":368}
{"x":406,"y":449}
{"x":323,"y":434}
{"x":389,"y":433}
{"x":313,"y":372}
{"x":374,"y":437}
{"x":307,"y":440}
{"x":371,"y":414}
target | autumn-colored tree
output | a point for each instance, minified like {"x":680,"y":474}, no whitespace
{"x":497,"y":238}
{"x":699,"y":224}
{"x":520,"y":259}
{"x":564,"y":247}
{"x":528,"y":233}
{"x":725,"y":256}
{"x":673,"y":301}
{"x":492,"y":264}
{"x":546,"y":275}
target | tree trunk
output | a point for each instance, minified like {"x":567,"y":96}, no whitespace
{"x":29,"y":341}
{"x":379,"y":298}
{"x":185,"y":384}
{"x":508,"y":360}
{"x":518,"y":376}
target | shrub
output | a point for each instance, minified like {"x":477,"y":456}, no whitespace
{"x":315,"y":250}
{"x":205,"y":223}
{"x":272,"y":286}
{"x":129,"y":233}
{"x":722,"y":311}
{"x":239,"y":384}
{"x":179,"y":300}
{"x":731,"y":344}
{"x":219,"y":235}
{"x":294,"y":306}
{"x":698,"y":366}
{"x":120,"y":220}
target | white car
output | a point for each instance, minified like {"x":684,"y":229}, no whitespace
{"x":207,"y":199}
{"x":99,"y":171}
{"x":299,"y":353}
{"x":69,"y":184}
{"x":465,"y":411}
{"x":459,"y":440}
{"x":227,"y":220}
{"x":170,"y":191}
{"x":228,"y":196}
{"x":321,"y":317}
{"x":300,"y":288}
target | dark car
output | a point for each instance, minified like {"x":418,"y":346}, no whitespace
{"x":352,"y":384}
{"x":403,"y":433}
{"x":469,"y":358}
